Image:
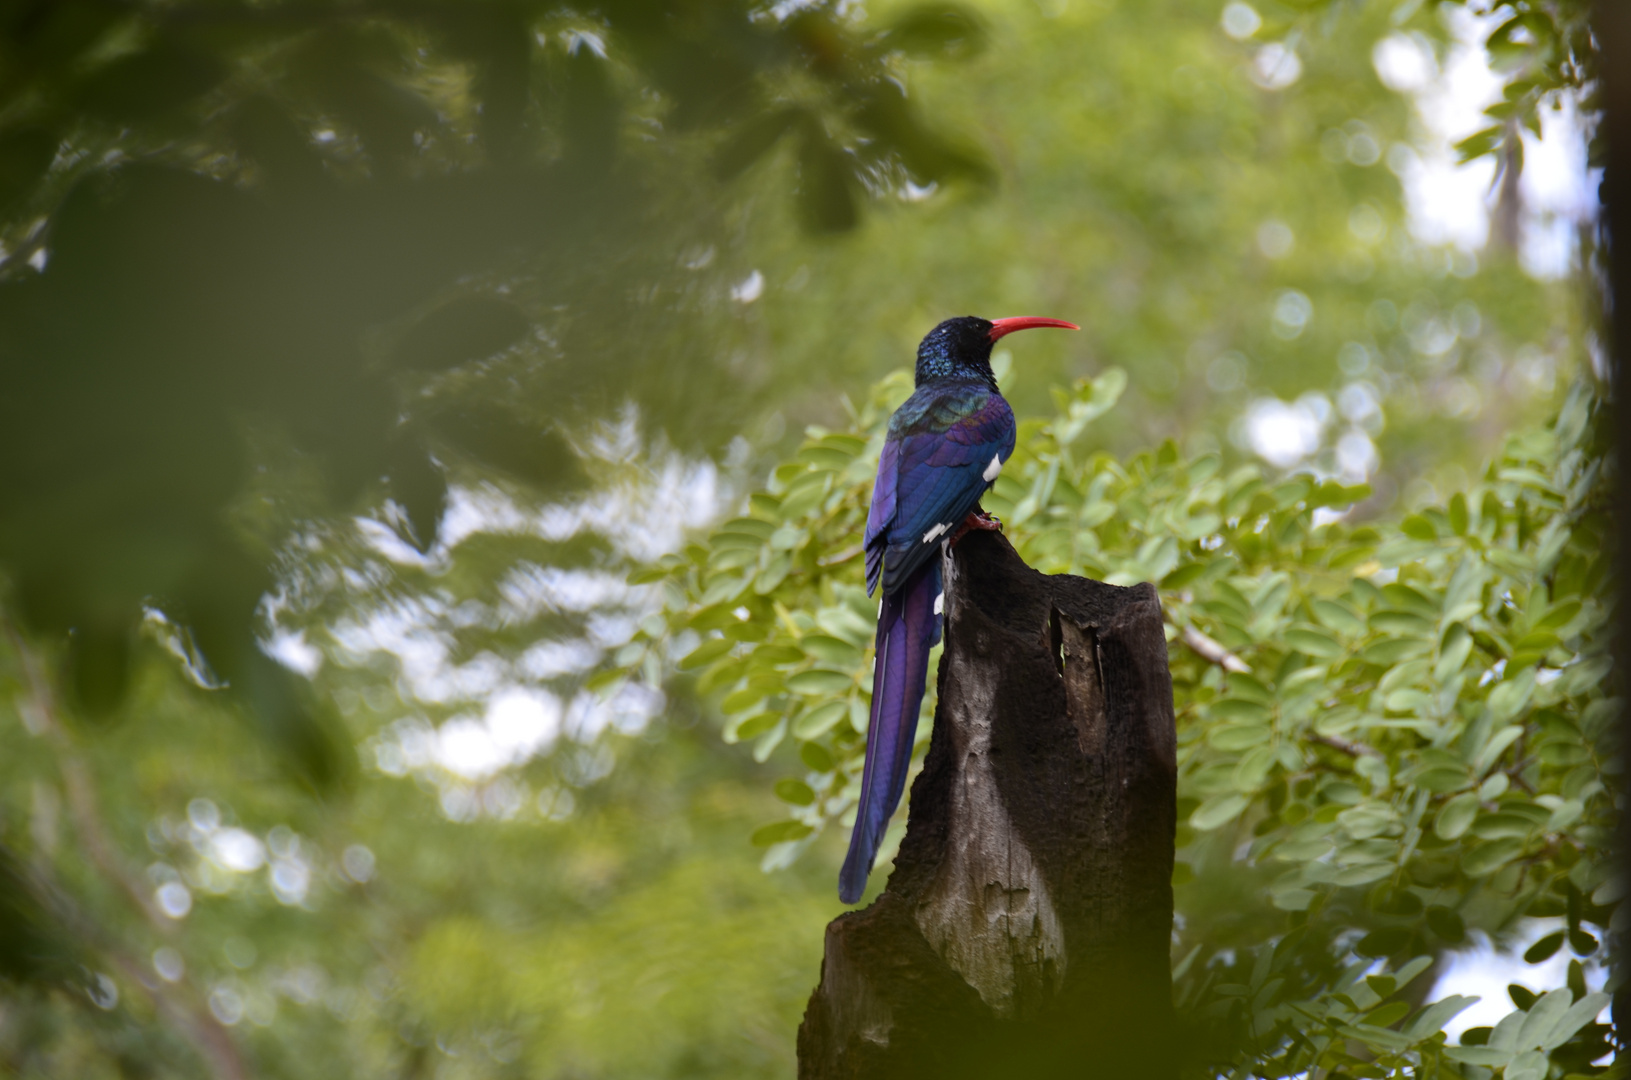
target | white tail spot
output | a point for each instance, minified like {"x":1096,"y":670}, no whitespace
{"x":939,"y":603}
{"x":992,"y":470}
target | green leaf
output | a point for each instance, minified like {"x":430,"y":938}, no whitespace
{"x":1233,"y":738}
{"x":1491,"y":856}
{"x":1446,"y":924}
{"x":1364,"y":874}
{"x":1496,"y":746}
{"x":825,"y":457}
{"x":1494,"y":826}
{"x":1413,"y":967}
{"x":774,"y":573}
{"x":1388,"y":1015}
{"x":1579,"y":1014}
{"x":1529,"y":1065}
{"x":820,"y":683}
{"x":1253,"y":769}
{"x":1432,"y":1019}
{"x":1292,"y":899}
{"x":820,"y":720}
{"x":778,"y":654}
{"x":1314,"y":643}
{"x":752,"y":727}
{"x":1339,"y":617}
{"x":1217,"y":811}
{"x":1479,"y":143}
{"x":816,"y":757}
{"x":1406,"y":623}
{"x":1418,"y":527}
{"x":1238,"y":710}
{"x":1543,"y":1016}
{"x":1458,"y":514}
{"x":1559,"y":616}
{"x":831,"y":650}
{"x":767,"y":743}
{"x":1478,"y":1055}
{"x":1242,"y":685}
{"x":1388,"y":652}
{"x":753,"y":528}
{"x":1342,"y":793}
{"x":723,"y":588}
{"x":1405,"y":598}
{"x":1378,"y":1037}
{"x":1183,"y":576}
{"x":1453,"y":654}
{"x":796,"y":792}
{"x":742,"y":700}
{"x":1444,"y":780}
{"x":1457,"y":816}
{"x":1544,"y":949}
{"x":805,"y":494}
{"x":844,"y":624}
{"x":708,"y":651}
{"x":1582,"y":943}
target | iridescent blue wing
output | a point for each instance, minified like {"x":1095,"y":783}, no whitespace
{"x":945,"y":448}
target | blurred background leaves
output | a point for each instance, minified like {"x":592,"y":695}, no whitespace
{"x":364,"y":362}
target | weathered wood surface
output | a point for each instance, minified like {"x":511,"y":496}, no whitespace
{"x":1025,"y":929}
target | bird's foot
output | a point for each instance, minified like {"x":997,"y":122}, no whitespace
{"x":977,"y":520}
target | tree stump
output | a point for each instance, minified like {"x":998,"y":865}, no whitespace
{"x":1026,"y":928}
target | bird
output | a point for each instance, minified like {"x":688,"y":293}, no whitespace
{"x":944,"y":448}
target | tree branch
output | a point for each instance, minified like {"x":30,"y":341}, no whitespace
{"x":1212,"y":651}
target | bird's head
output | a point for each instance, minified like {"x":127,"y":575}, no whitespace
{"x":961,"y":347}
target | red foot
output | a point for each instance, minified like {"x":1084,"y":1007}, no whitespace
{"x":977,"y":520}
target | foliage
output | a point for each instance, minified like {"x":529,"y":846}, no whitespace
{"x":1550,"y":54}
{"x":322,"y":323}
{"x":1389,"y":733}
{"x":1224,"y":241}
{"x":382,"y":937}
{"x":269,"y":266}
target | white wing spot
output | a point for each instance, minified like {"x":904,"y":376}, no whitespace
{"x":939,"y":603}
{"x":934,"y":533}
{"x":992,"y":470}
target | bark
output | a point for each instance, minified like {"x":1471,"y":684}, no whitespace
{"x":1611,"y":24}
{"x":1026,"y":927}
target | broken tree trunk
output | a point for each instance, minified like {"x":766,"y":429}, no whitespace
{"x":1026,"y":927}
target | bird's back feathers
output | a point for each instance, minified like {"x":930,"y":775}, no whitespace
{"x":945,"y":446}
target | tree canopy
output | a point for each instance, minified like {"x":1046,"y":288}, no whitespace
{"x":431,"y":466}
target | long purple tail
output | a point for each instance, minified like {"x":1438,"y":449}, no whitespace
{"x":908,"y":627}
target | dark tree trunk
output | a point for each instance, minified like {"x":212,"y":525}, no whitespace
{"x":1026,"y":928}
{"x":1612,"y":25}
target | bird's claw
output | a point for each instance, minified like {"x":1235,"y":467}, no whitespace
{"x":977,"y":520}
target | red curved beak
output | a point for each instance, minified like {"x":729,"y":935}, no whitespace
{"x":1000,"y":327}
